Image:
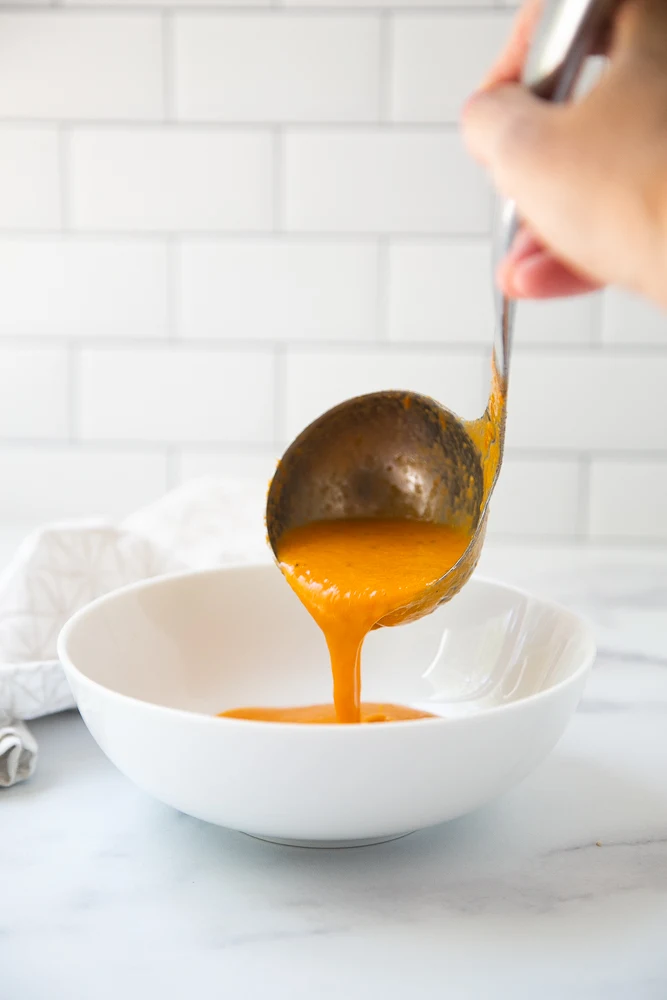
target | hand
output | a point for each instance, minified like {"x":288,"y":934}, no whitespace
{"x":589,"y":177}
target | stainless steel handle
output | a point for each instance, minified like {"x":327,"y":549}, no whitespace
{"x":568,"y":32}
{"x":505,"y":229}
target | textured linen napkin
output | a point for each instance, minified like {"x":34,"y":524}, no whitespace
{"x":62,"y":567}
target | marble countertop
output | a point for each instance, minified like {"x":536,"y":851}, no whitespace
{"x":557,"y":890}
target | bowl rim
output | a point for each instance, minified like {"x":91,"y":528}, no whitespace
{"x":203,"y":718}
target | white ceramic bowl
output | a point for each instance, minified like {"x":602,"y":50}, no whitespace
{"x":151,"y":665}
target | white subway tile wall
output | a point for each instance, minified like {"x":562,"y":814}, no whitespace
{"x":308,"y":289}
{"x":300,"y":59}
{"x":378,"y":180}
{"x":550,"y":494}
{"x":588,"y":401}
{"x":83,"y":287}
{"x":70,"y":65}
{"x":628,"y":499}
{"x":219,"y":218}
{"x":631,"y":320}
{"x":434,"y":67}
{"x":29,"y":178}
{"x":169,"y":179}
{"x":35,"y":391}
{"x":440,"y":292}
{"x":175,"y":394}
{"x":316,"y":380}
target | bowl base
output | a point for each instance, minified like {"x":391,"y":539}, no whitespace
{"x":329,"y":844}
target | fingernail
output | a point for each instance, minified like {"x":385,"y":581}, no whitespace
{"x":505,"y":277}
{"x":523,"y":270}
{"x":518,"y":277}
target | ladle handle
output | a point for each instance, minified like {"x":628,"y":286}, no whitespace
{"x":567,"y":34}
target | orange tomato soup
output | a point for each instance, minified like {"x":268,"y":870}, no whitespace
{"x":350,"y":575}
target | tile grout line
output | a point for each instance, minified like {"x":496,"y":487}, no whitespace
{"x":385,"y":68}
{"x":608,"y":542}
{"x":597,"y":326}
{"x":168,"y":65}
{"x":208,"y":446}
{"x":278,"y":180}
{"x":259,"y":10}
{"x":405,"y":127}
{"x":500,"y":537}
{"x":173,"y":287}
{"x":172,"y":459}
{"x":583,"y":514}
{"x":279,"y":395}
{"x":74,"y":393}
{"x":243,"y":343}
{"x":118,"y":235}
{"x":594,"y":338}
{"x":132,"y":446}
{"x":382,"y":291}
{"x":63,"y":138}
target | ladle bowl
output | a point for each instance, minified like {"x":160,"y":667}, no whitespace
{"x":390,"y":454}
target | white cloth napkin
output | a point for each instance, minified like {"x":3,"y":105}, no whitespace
{"x":61,"y":567}
{"x":18,"y":753}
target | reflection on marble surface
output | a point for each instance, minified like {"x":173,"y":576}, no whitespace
{"x":558,"y":889}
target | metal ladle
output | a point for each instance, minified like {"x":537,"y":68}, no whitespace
{"x":402,"y":455}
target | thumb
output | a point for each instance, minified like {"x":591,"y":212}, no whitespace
{"x":539,"y":155}
{"x":514,"y":134}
